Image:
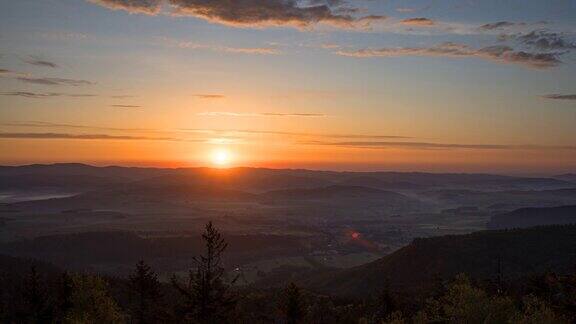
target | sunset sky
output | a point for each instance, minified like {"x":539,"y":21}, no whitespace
{"x":461,"y":86}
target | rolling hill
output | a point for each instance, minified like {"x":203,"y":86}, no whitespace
{"x":416,"y":267}
{"x":527,"y":217}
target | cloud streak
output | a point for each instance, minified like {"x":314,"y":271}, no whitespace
{"x":42,"y":63}
{"x":42,"y":124}
{"x":54,"y":81}
{"x":67,"y":136}
{"x":498,"y":25}
{"x":170,"y":42}
{"x":501,"y":54}
{"x":126,"y":106}
{"x":560,"y":96}
{"x":251,"y":13}
{"x":209,"y":96}
{"x":443,"y":146}
{"x":264,"y":114}
{"x":43,"y":95}
{"x":418,"y":22}
{"x":296,"y":134}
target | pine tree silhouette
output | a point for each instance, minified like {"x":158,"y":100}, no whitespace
{"x":292,"y":304}
{"x":207,"y":296}
{"x":35,"y":297}
{"x":65,"y":292}
{"x":145,"y":289}
{"x":385,"y":304}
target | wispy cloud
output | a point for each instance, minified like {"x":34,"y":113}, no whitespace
{"x":47,"y":125}
{"x":560,"y":96}
{"x":227,"y":132}
{"x":122,"y":96}
{"x":43,"y":95}
{"x":5,"y":73}
{"x":498,"y":25}
{"x":264,"y":114}
{"x":252,"y":13}
{"x":499,"y":53}
{"x":126,"y":106}
{"x":443,"y":146}
{"x":421,"y":22}
{"x":209,"y":96}
{"x":81,"y":136}
{"x":41,"y":63}
{"x":62,"y":35}
{"x":54,"y":81}
{"x":412,"y":9}
{"x":171,"y":42}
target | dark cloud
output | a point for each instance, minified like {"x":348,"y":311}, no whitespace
{"x":502,"y":54}
{"x":560,"y":97}
{"x":497,"y":25}
{"x":235,"y":114}
{"x":418,"y":22}
{"x":126,"y":106}
{"x":546,"y":40}
{"x":250,"y":13}
{"x":42,"y":63}
{"x":122,"y":96}
{"x":209,"y":96}
{"x":54,"y":81}
{"x":81,"y":136}
{"x":43,"y":95}
{"x":445,"y":146}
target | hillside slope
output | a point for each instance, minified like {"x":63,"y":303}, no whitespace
{"x":527,"y":217}
{"x":416,"y":267}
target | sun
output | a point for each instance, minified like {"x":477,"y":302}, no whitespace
{"x":221,"y":157}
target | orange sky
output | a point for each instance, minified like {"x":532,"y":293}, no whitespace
{"x":116,"y":82}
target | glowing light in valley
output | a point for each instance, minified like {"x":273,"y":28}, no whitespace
{"x":221,"y":157}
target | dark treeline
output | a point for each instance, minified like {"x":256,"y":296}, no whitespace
{"x":34,"y":292}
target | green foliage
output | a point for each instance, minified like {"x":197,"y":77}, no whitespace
{"x":535,"y":311}
{"x":91,"y":302}
{"x":146,"y":296}
{"x":206,"y":297}
{"x":464,"y":303}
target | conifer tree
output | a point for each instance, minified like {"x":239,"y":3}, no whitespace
{"x":206,"y":294}
{"x":292,"y":304}
{"x":35,"y":297}
{"x":145,"y":290}
{"x":65,"y":292}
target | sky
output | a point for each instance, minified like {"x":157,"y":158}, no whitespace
{"x":423,"y":85}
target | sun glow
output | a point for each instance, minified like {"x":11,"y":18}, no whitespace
{"x":221,"y":157}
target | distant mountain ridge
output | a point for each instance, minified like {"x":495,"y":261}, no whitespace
{"x":527,"y":217}
{"x":261,"y":179}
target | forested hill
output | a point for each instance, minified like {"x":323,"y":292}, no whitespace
{"x":527,"y":217}
{"x":418,"y":266}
